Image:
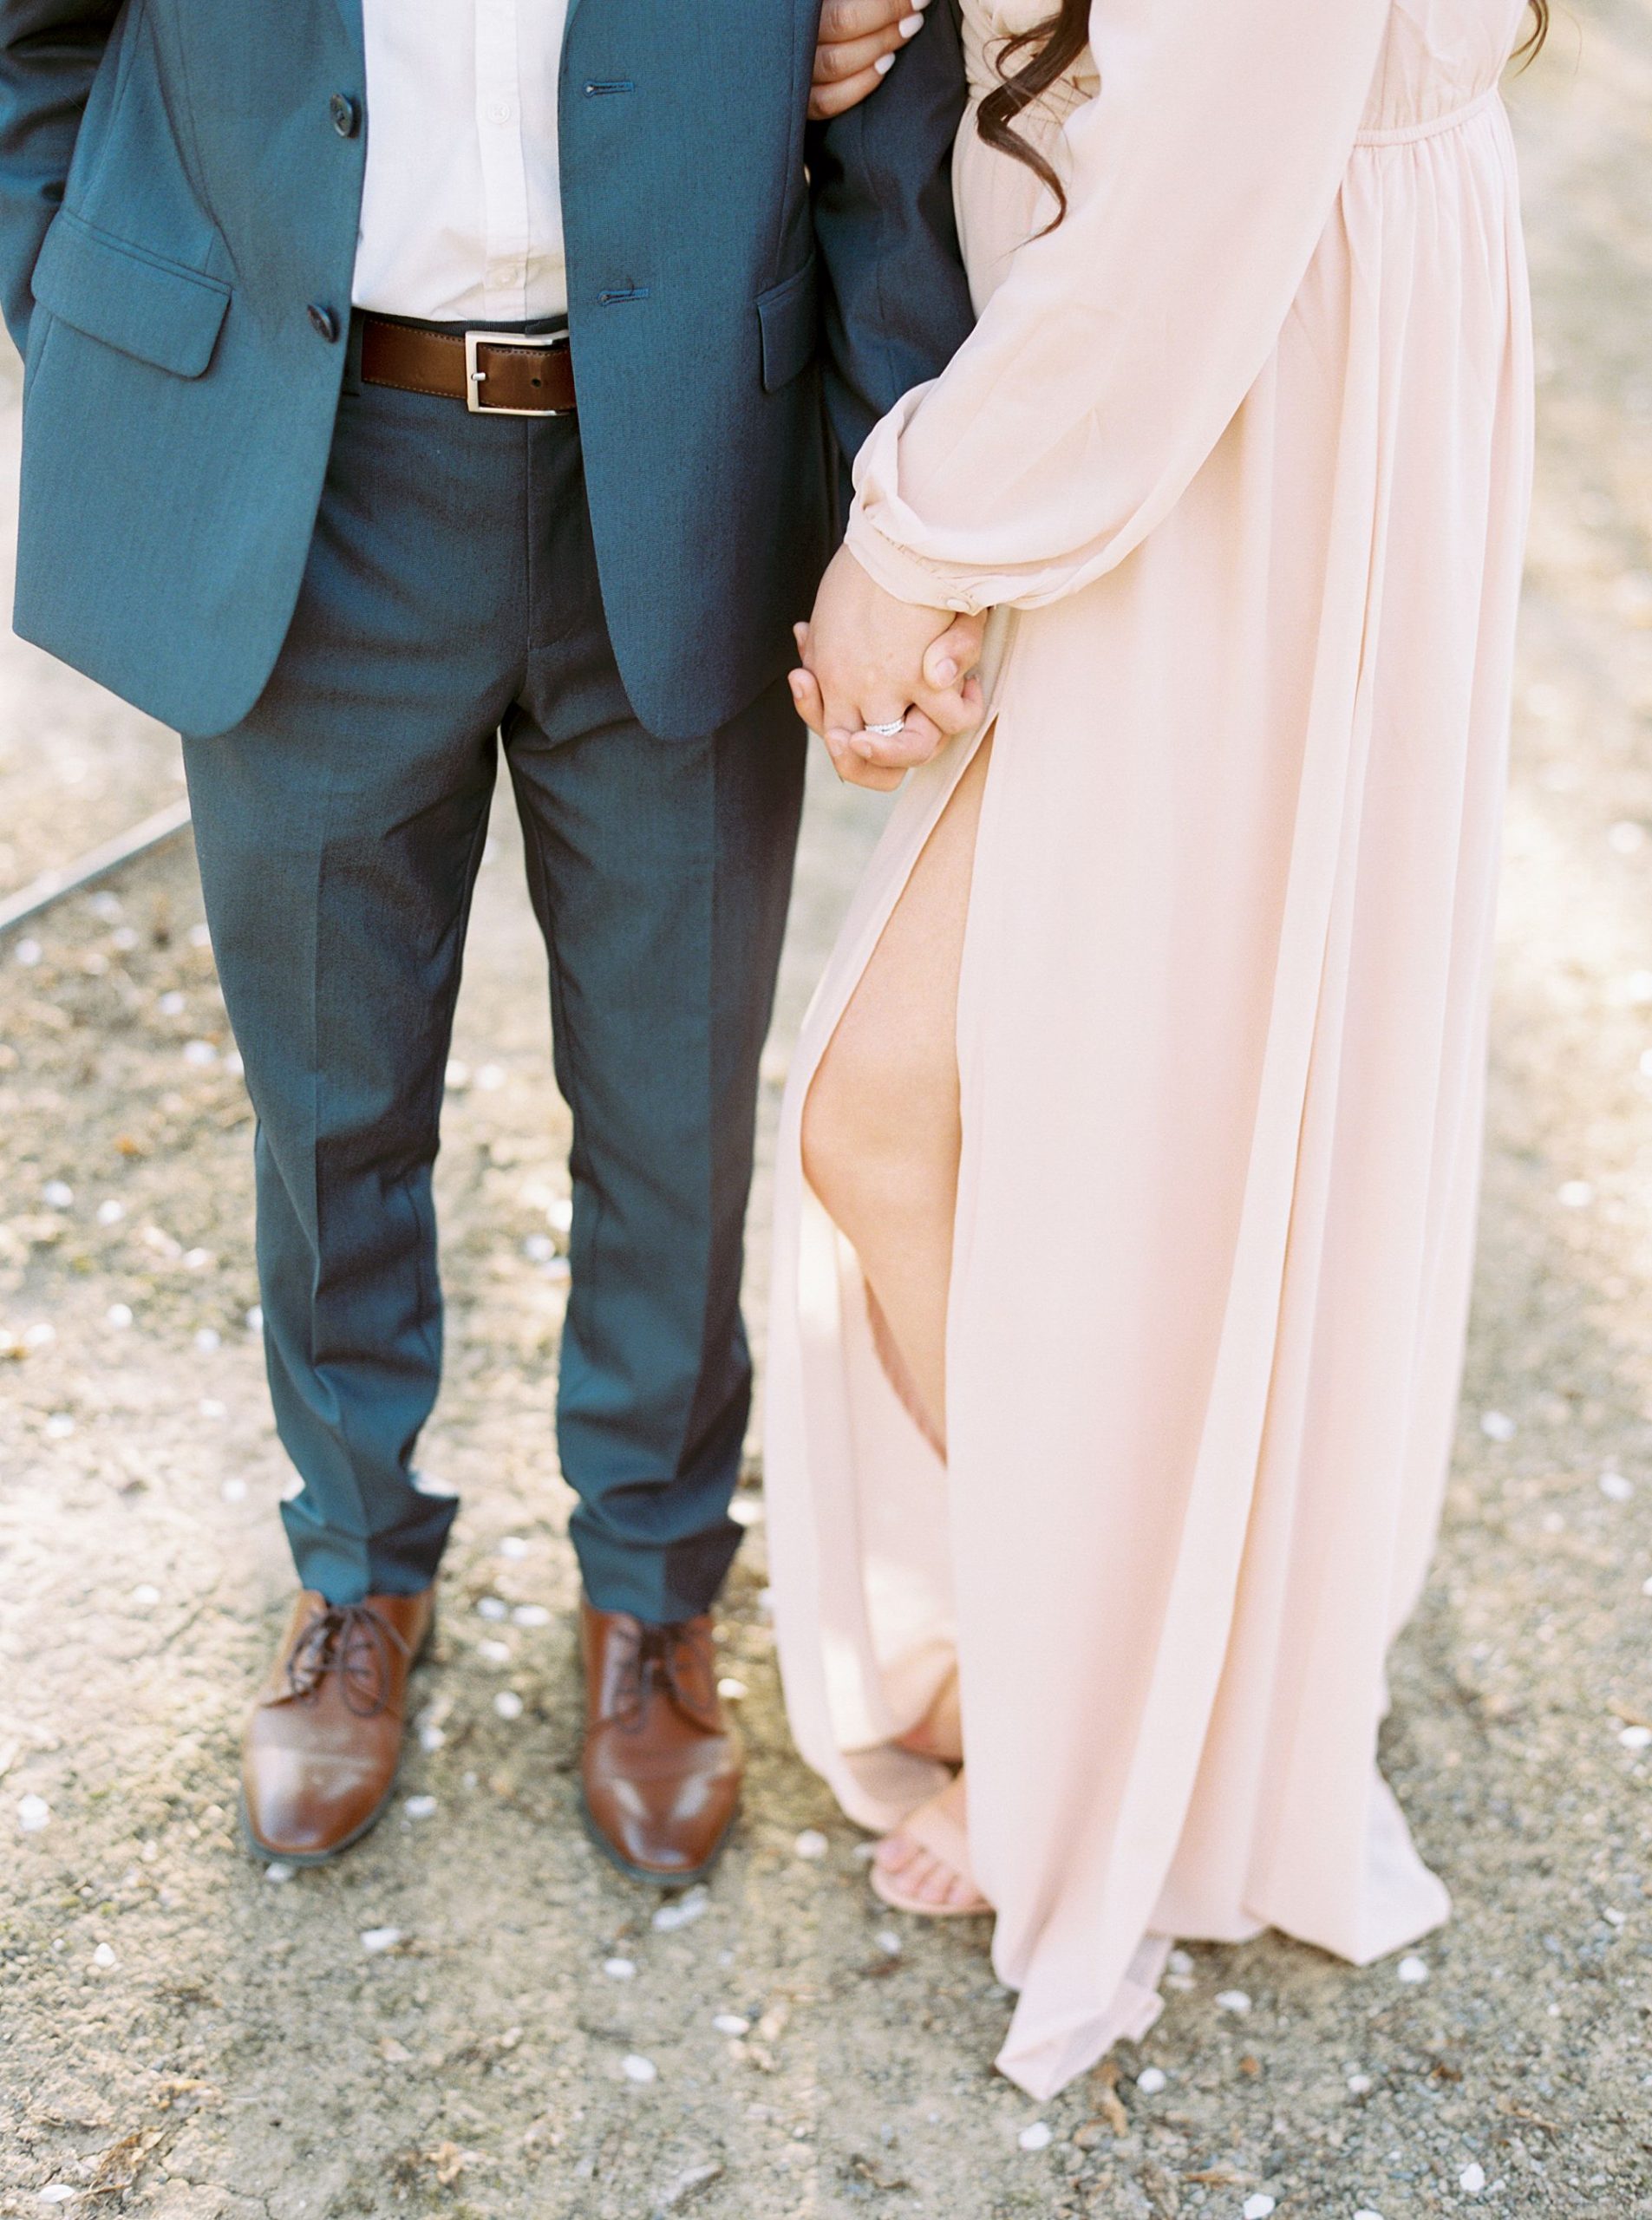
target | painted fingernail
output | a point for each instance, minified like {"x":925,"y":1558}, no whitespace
{"x":883,"y":64}
{"x":910,"y":26}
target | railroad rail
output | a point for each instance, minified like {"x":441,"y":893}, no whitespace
{"x":97,"y":863}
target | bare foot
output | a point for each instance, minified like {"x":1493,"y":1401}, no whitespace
{"x":921,"y":1875}
{"x":939,"y":1734}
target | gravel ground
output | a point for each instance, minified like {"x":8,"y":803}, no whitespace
{"x":178,"y":2036}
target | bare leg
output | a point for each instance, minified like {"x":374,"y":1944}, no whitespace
{"x":881,"y":1130}
{"x":881,"y":1140}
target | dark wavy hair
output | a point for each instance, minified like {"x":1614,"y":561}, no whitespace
{"x":1050,"y":49}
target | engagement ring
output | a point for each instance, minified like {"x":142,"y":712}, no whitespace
{"x":888,"y":732}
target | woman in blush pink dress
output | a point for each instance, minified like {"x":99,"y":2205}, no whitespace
{"x":1128,"y":1176}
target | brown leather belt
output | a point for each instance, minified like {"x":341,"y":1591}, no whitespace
{"x":494,"y":373}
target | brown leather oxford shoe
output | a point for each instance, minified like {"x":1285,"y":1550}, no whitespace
{"x":661,"y":1768}
{"x":322,"y":1746}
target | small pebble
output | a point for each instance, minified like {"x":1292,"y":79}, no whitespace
{"x":104,"y":905}
{"x":254,"y":1320}
{"x":1411,"y":1970}
{"x":276,"y":1872}
{"x":144,"y":1595}
{"x":39,"y":1337}
{"x":493,"y":1606}
{"x":199,"y":1053}
{"x":377,"y":1939}
{"x":119,"y":1315}
{"x":421,"y":1807}
{"x":431,"y":1738}
{"x":233,"y":1491}
{"x":491,"y":1078}
{"x":539,"y":1248}
{"x":640,"y":2069}
{"x":111,"y":1214}
{"x":1038,"y":2137}
{"x":458,"y":1077}
{"x":559,"y":1216}
{"x":495,"y":1653}
{"x":199,"y":1260}
{"x":171,"y":1004}
{"x":104,"y":1956}
{"x":619,"y":1969}
{"x":508,"y":1704}
{"x":731,"y":2023}
{"x":1179,"y":1962}
{"x":208,"y":1340}
{"x":1150,"y":2080}
{"x":27,"y":953}
{"x":1575,"y":1194}
{"x":889,"y":1942}
{"x":1626,"y":838}
{"x":811,"y":1844}
{"x":124,"y":937}
{"x":513,"y":1547}
{"x":59,"y":1426}
{"x":1366,"y":2213}
{"x":531,"y":1615}
{"x":57,"y":2193}
{"x":1497,"y":1426}
{"x":1637,"y":1738}
{"x":1358,"y":2084}
{"x":211,"y":1408}
{"x":1233,"y":2000}
{"x":1258,"y":2207}
{"x":682,"y":1912}
{"x":201,"y":935}
{"x":733,"y":1691}
{"x":1616,"y":1488}
{"x":1472,"y":2180}
{"x":1645,"y":1588}
{"x":58,"y":1195}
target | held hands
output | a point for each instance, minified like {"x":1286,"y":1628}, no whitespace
{"x":859,"y":40}
{"x":869,"y":660}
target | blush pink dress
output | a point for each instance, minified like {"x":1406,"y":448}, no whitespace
{"x":1240,"y":453}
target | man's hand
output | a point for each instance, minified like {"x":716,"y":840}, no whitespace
{"x":868,"y":660}
{"x":859,"y":40}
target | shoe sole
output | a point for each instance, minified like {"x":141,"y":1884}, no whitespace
{"x":676,"y":1880}
{"x":266,"y":1856}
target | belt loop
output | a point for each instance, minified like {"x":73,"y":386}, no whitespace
{"x":353,"y":353}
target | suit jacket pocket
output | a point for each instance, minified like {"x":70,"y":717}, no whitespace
{"x":789,"y":313}
{"x":129,"y":297}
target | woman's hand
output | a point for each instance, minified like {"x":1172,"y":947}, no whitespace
{"x":859,"y":40}
{"x":871,"y":661}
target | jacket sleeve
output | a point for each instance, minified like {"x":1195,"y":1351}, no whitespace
{"x":1119,"y":345}
{"x":50,"y":52}
{"x":895,"y":300}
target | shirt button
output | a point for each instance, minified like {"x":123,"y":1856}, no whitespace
{"x":323,"y":320}
{"x":346,"y":114}
{"x":500,"y":112}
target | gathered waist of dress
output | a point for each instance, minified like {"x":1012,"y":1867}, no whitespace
{"x":1433,"y":127}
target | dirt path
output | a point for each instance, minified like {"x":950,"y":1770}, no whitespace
{"x":181,"y":2037}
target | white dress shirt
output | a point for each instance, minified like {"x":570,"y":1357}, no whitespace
{"x":461,"y":209}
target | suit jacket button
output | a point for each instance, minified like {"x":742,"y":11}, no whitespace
{"x":323,"y":320}
{"x":346,"y":114}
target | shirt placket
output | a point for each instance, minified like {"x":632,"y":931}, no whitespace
{"x":505,"y":182}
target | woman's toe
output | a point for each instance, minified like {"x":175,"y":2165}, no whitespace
{"x":895,"y":1853}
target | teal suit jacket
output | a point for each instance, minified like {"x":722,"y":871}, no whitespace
{"x":179,"y":190}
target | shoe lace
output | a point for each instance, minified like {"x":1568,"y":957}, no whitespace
{"x":354,"y":1641}
{"x":652,"y":1658}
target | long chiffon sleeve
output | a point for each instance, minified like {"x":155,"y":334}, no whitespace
{"x":1119,"y":345}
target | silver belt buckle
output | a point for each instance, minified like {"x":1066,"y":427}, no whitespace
{"x":475,"y":379}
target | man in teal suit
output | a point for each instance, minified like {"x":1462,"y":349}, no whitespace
{"x":410,"y":384}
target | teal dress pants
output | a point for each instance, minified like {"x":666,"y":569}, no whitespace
{"x":451,"y":617}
